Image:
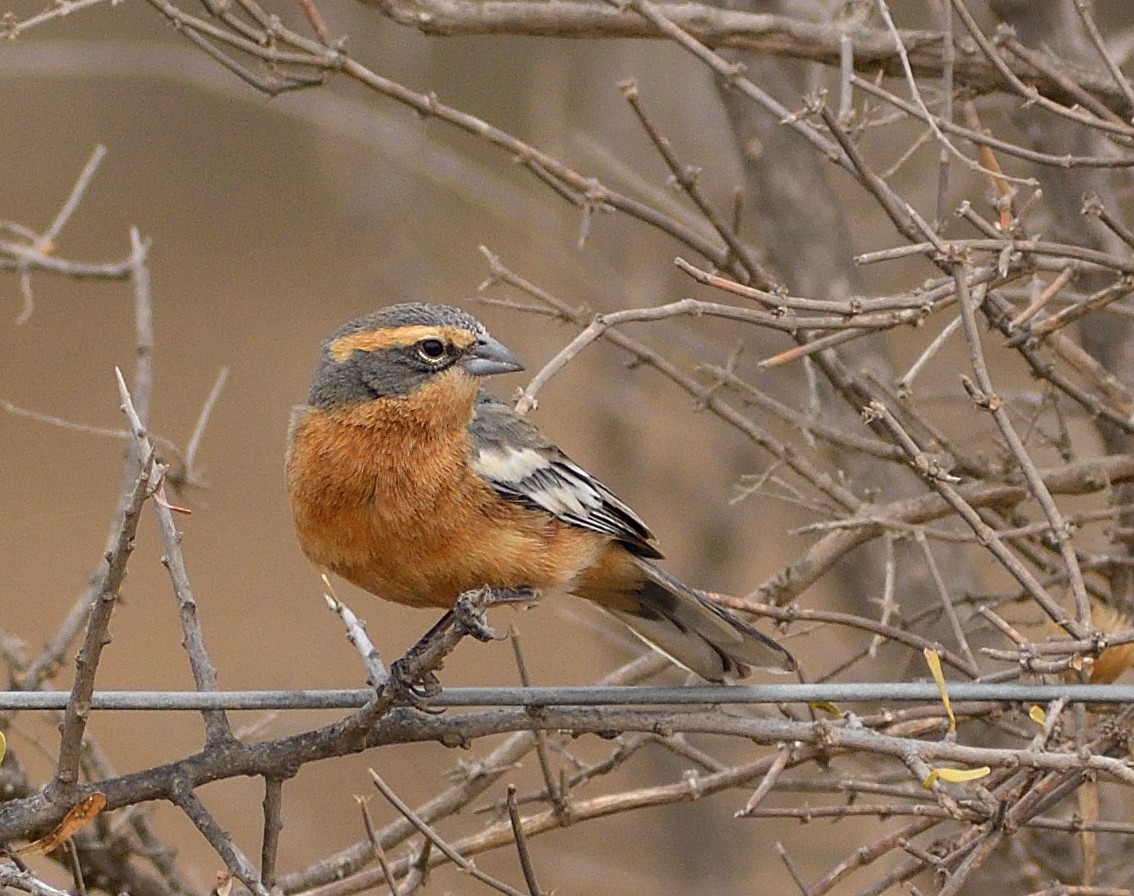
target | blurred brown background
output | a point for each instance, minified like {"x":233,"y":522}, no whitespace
{"x":272,"y":222}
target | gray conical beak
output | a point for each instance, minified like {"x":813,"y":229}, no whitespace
{"x":490,"y":356}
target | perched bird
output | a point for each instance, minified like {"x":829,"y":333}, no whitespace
{"x":410,"y":481}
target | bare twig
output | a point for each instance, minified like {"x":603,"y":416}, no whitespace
{"x":273,"y":824}
{"x":45,"y":245}
{"x":219,"y":840}
{"x":63,"y":784}
{"x":1086,"y":14}
{"x":203,"y":421}
{"x":686,"y":177}
{"x":376,"y":672}
{"x":937,"y":477}
{"x":556,"y":794}
{"x":783,"y":757}
{"x":11,"y":875}
{"x":217,"y":727}
{"x":521,"y":842}
{"x":450,"y":852}
{"x":986,"y":398}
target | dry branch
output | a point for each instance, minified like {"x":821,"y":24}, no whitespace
{"x":1036,"y":283}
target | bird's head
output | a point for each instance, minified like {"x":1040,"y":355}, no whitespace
{"x":395,"y":351}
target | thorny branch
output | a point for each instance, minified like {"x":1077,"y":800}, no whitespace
{"x":993,"y":435}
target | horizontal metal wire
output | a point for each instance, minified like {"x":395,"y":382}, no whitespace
{"x":847,"y":692}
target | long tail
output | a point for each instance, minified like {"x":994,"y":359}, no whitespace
{"x":693,"y":632}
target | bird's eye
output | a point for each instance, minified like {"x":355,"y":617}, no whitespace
{"x":431,"y":349}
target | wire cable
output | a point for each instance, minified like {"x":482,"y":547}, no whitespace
{"x":353,"y":698}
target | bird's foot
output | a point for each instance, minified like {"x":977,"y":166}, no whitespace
{"x":407,"y":686}
{"x":413,"y":689}
{"x":469,"y":610}
{"x":469,"y":617}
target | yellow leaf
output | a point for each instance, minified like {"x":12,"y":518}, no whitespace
{"x":1037,"y":715}
{"x":825,"y":706}
{"x":954,"y":775}
{"x":960,"y":775}
{"x":75,"y":819}
{"x":933,"y":660}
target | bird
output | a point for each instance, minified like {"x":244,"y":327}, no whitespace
{"x":409,"y":480}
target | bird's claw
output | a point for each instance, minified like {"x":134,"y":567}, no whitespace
{"x":469,"y":609}
{"x":415,"y":690}
{"x":469,"y":616}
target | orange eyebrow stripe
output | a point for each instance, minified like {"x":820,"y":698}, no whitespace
{"x":396,"y":337}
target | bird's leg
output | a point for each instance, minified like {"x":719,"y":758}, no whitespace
{"x":408,"y":683}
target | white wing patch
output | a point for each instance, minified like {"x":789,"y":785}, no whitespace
{"x":521,"y":465}
{"x":507,"y":464}
{"x":556,"y":486}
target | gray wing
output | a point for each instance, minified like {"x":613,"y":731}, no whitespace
{"x":517,"y":460}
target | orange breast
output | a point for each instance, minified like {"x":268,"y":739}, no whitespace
{"x":393,"y":507}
